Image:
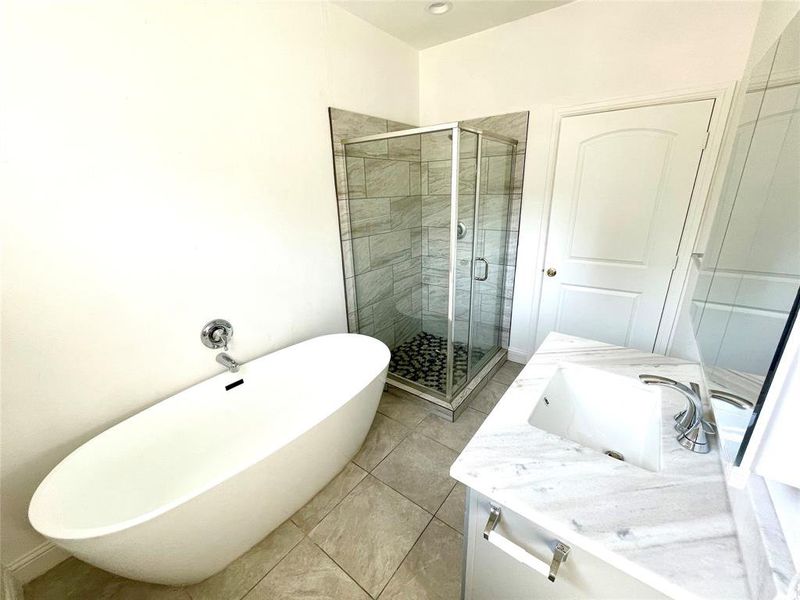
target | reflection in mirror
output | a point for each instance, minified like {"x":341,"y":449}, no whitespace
{"x":749,"y":275}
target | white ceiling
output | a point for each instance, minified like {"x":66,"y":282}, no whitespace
{"x":409,"y":20}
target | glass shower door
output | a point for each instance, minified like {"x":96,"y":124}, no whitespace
{"x":496,"y":160}
{"x":465,"y":236}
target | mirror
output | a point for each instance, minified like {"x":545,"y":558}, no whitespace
{"x":747,"y":290}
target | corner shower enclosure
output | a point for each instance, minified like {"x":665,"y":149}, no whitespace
{"x":428,"y":216}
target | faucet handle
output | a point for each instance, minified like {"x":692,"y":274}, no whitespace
{"x":217,"y":334}
{"x":220,"y":338}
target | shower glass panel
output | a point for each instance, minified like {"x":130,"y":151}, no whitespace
{"x":463,"y":266}
{"x":491,"y":240}
{"x":427,"y":220}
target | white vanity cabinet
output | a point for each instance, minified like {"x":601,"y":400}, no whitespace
{"x":492,"y":572}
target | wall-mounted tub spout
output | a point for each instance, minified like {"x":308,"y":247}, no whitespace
{"x":228,"y":362}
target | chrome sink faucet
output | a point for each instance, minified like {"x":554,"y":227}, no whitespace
{"x":692,"y":429}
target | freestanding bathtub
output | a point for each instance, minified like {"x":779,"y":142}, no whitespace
{"x":178,"y":491}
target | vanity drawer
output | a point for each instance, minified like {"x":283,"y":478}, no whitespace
{"x":492,"y":573}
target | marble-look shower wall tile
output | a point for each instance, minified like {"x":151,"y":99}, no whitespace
{"x":406,"y":328}
{"x":366,"y":320}
{"x":356,"y":188}
{"x":340,"y":176}
{"x":389,"y":248}
{"x":439,"y":177}
{"x":361,"y":262}
{"x":350,"y":293}
{"x":414,"y":182}
{"x":495,"y":148}
{"x":513,"y":125}
{"x":385,"y":312}
{"x":347,"y":258}
{"x":397,"y":126}
{"x":370,"y":216}
{"x":386,"y":336}
{"x":416,"y":242}
{"x":435,"y":211}
{"x":437,"y":146}
{"x":434,"y":324}
{"x":423,"y":178}
{"x":346,"y":124}
{"x":511,"y":247}
{"x":438,"y":241}
{"x":344,"y":219}
{"x":386,"y":177}
{"x":519,"y":171}
{"x":493,"y":242}
{"x":435,"y":270}
{"x":407,"y":275}
{"x":352,"y":321}
{"x":374,"y":149}
{"x":494,"y":211}
{"x":467,"y":172}
{"x":437,"y":300}
{"x":406,"y":212}
{"x":405,"y":148}
{"x":498,"y":179}
{"x":416,"y":300}
{"x":515,"y":207}
{"x":374,"y":285}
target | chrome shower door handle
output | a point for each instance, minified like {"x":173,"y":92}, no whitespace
{"x":560,"y":552}
{"x":485,"y":271}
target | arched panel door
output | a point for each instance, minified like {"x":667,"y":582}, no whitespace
{"x":622,"y":187}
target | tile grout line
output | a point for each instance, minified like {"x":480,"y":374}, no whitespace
{"x":343,"y":570}
{"x":405,"y":557}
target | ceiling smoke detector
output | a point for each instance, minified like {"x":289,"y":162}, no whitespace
{"x":439,"y":8}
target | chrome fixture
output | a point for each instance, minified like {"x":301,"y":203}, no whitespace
{"x":689,"y":423}
{"x":560,"y":551}
{"x":730,"y":398}
{"x":228,"y":362}
{"x":216,"y":334}
{"x":462,"y":230}
{"x":485,"y":270}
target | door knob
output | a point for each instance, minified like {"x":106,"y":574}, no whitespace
{"x":551,"y":272}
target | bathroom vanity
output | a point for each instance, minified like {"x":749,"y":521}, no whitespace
{"x":542,"y":486}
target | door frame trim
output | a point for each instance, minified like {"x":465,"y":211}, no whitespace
{"x":702,"y":204}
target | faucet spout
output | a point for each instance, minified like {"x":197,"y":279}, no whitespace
{"x":228,"y":362}
{"x":692,"y":429}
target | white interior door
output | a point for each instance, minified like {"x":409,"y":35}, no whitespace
{"x":622,"y":187}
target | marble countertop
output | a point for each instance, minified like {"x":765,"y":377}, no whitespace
{"x":673,"y":529}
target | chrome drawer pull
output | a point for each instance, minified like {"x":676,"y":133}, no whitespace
{"x":560,"y":553}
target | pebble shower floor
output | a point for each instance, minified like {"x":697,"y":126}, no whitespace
{"x":423,"y":360}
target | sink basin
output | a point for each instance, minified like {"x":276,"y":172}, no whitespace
{"x":605,"y":412}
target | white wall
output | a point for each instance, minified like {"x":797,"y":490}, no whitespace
{"x":582,"y":52}
{"x":166,"y":163}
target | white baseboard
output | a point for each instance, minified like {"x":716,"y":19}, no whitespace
{"x":37,"y":562}
{"x":518,"y":356}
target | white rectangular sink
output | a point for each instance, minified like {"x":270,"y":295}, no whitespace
{"x":603,"y":411}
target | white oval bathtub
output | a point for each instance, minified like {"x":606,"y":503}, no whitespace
{"x":178,"y":491}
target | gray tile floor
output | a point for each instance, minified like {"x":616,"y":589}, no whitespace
{"x":388,"y":526}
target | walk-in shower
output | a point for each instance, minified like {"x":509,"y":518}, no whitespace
{"x":429,"y":220}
